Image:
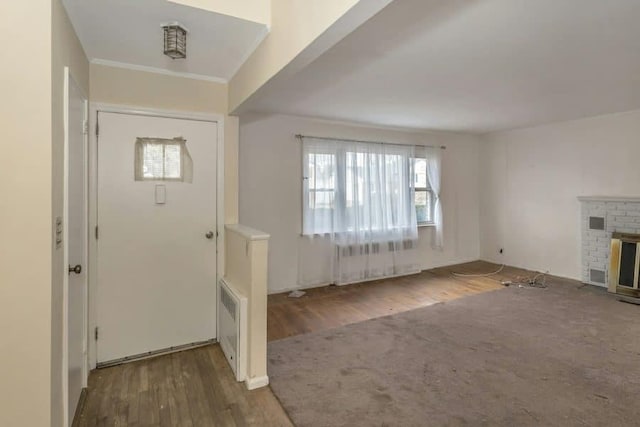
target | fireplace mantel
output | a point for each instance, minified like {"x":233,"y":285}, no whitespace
{"x":609,"y":199}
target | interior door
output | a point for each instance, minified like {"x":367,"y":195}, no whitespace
{"x":156,"y":246}
{"x":76,"y":195}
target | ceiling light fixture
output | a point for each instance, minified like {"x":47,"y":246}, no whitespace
{"x":175,"y":41}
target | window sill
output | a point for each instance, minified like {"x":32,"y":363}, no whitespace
{"x":426,"y":225}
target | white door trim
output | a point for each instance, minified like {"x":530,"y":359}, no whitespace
{"x":67,"y":417}
{"x":95,"y":108}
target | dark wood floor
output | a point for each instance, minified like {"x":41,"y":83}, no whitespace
{"x":193,"y":388}
{"x":333,"y":306}
{"x":197,"y":388}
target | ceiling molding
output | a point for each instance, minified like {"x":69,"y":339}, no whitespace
{"x":155,"y":70}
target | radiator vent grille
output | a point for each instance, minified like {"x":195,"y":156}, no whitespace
{"x":597,"y":276}
{"x":596,"y":223}
{"x":232,"y":327}
{"x":228,"y":303}
{"x":373,"y":248}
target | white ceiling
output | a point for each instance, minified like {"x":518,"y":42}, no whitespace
{"x":129,"y":32}
{"x":473,"y":66}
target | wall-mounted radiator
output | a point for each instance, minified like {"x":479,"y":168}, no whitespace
{"x":349,"y":250}
{"x":374,"y":260}
{"x":232,"y":327}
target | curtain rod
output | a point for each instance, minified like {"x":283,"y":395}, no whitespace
{"x":300,"y":136}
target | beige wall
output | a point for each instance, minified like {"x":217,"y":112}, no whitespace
{"x":25,"y":215}
{"x":143,"y":89}
{"x":68,"y":52}
{"x":271,"y":192}
{"x":231,"y":138}
{"x":140,"y":88}
{"x":31,"y":189}
{"x":246,"y":270}
{"x":250,"y":10}
{"x":531,"y":179}
{"x":294,"y":25}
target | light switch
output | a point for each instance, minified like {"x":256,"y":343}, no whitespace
{"x":58,"y":233}
{"x":161,"y":194}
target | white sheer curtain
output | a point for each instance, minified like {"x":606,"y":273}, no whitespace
{"x":360,"y":196}
{"x":434,"y":174}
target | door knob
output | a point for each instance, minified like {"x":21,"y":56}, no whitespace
{"x":77,"y":269}
{"x":209,"y":235}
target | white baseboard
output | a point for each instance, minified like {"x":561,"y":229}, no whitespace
{"x":449,"y":263}
{"x":298,"y":288}
{"x":422,"y":268}
{"x":254,"y":383}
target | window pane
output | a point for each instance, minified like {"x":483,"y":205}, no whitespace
{"x":321,"y":171}
{"x":354,"y":191}
{"x":152,"y":161}
{"x":321,"y":199}
{"x":172,"y":161}
{"x":424,"y":207}
{"x":420,"y":170}
{"x":162,"y":159}
{"x":361,"y":187}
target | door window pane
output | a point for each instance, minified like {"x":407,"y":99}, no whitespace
{"x":162,"y":160}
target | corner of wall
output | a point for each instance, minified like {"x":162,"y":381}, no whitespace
{"x":66,"y":52}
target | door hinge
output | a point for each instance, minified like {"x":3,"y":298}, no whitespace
{"x":95,"y":333}
{"x":97,"y":127}
{"x":96,"y":232}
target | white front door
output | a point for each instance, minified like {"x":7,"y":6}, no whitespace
{"x":156,"y":246}
{"x":76,"y":250}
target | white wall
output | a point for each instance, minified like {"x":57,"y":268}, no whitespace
{"x":531,"y":178}
{"x":271,"y":194}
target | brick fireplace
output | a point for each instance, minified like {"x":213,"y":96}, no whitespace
{"x":601,"y":217}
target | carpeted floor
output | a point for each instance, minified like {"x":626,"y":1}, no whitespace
{"x":560,"y":356}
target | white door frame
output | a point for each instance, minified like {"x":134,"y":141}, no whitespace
{"x":67,"y":417}
{"x":95,"y":108}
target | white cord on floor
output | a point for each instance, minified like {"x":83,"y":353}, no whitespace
{"x":479,"y":275}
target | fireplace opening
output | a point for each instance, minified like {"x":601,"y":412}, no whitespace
{"x":624,"y":271}
{"x":627,"y":264}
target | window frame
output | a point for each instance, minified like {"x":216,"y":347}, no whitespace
{"x":185,"y":162}
{"x":429,"y":191}
{"x":308,"y":193}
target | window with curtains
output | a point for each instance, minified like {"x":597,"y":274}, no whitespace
{"x":158,"y":159}
{"x":424,"y":197}
{"x":367,"y":188}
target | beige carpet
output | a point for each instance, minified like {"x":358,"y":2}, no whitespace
{"x":560,"y":356}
